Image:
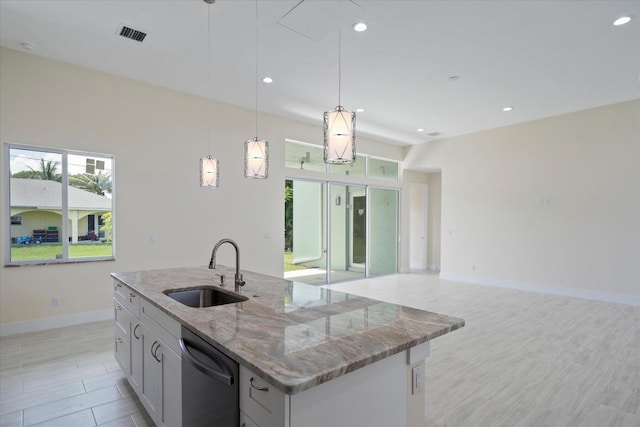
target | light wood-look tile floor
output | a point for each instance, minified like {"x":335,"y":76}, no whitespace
{"x":66,"y":377}
{"x":523,"y":359}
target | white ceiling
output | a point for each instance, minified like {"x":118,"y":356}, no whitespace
{"x":542,"y":57}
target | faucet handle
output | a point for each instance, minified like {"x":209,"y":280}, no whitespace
{"x":222,"y":284}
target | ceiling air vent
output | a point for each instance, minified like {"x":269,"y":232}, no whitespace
{"x":132,"y":34}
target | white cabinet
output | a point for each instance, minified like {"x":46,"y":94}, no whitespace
{"x":377,"y":395}
{"x":161,"y":392}
{"x":261,"y":404}
{"x":147,"y":350}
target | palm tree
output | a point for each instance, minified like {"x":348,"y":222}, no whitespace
{"x":94,"y":183}
{"x":48,"y":171}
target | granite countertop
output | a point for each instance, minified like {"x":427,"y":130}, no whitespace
{"x":294,"y":335}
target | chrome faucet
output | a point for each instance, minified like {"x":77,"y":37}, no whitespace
{"x":212,"y":264}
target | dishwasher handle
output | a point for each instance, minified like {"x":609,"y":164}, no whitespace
{"x":219,"y":371}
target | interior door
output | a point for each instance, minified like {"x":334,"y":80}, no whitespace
{"x":418,"y":226}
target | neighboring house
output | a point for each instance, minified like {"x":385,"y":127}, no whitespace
{"x":36,"y":205}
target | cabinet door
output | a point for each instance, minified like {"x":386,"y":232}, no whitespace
{"x":171,"y":387}
{"x":135,"y":379}
{"x":151,"y":372}
{"x":122,"y":351}
{"x":161,"y":391}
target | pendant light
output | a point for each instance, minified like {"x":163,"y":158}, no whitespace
{"x":256,"y":150}
{"x":339,"y":127}
{"x":209,"y":172}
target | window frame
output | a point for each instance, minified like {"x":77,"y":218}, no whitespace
{"x":64,"y":239}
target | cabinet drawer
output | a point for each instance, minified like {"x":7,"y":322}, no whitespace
{"x":123,"y":318}
{"x":262,"y":402}
{"x":160,"y":323}
{"x":127,"y":297}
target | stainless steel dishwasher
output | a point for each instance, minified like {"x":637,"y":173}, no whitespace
{"x":209,"y":384}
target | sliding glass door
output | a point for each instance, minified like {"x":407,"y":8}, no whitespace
{"x":348,"y":235}
{"x":383,"y":220}
{"x":336,"y":232}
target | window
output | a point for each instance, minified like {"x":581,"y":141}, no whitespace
{"x":309,"y":157}
{"x":60,"y":205}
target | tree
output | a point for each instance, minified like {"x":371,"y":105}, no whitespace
{"x":48,"y":172}
{"x":94,"y":183}
{"x":106,"y":227}
{"x":288,"y":215}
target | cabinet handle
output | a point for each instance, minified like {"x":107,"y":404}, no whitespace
{"x":154,"y":353}
{"x":118,"y":307}
{"x":256,"y":387}
{"x":134,"y":331}
{"x":132,"y":295}
{"x":119,"y":340}
{"x":118,"y":285}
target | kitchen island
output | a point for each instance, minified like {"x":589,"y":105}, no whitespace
{"x":330,"y":358}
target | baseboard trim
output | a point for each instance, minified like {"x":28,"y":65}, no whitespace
{"x":544,"y":289}
{"x":45,"y":323}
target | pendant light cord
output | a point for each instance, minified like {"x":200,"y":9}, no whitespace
{"x":209,"y":73}
{"x":256,"y":82}
{"x":339,"y":64}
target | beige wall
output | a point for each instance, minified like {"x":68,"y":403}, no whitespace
{"x":157,"y":136}
{"x":549,"y":203}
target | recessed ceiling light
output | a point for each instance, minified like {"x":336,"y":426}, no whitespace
{"x":507,"y":109}
{"x":454,"y":78}
{"x":267,"y":80}
{"x":420,"y":130}
{"x":359,"y":110}
{"x":360,"y":27}
{"x":622,"y":20}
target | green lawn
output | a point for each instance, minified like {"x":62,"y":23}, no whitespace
{"x":46,"y":251}
{"x":288,"y":263}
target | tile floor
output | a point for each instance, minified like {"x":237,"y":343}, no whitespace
{"x":523,"y":359}
{"x":66,"y":377}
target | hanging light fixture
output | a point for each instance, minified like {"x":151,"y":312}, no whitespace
{"x":209,"y":171}
{"x":256,"y":150}
{"x":339,"y":127}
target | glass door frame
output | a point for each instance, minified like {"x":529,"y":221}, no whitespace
{"x":321,"y":178}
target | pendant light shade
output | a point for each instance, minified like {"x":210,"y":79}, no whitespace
{"x":208,"y":172}
{"x":256,"y":158}
{"x":339,"y":136}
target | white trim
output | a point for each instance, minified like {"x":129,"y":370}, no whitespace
{"x":544,"y":289}
{"x":45,"y":323}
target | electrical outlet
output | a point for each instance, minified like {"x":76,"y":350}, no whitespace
{"x":416,"y":375}
{"x":55,"y":301}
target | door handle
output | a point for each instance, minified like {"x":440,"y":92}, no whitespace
{"x":216,"y":369}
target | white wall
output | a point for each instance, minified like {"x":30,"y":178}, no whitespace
{"x":553,"y":203}
{"x":157,"y":136}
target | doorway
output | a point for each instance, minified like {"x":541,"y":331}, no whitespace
{"x":418,"y":221}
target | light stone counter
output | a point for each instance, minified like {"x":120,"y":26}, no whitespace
{"x":296,"y":336}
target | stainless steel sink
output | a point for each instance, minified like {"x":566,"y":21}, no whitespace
{"x":204,"y":296}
